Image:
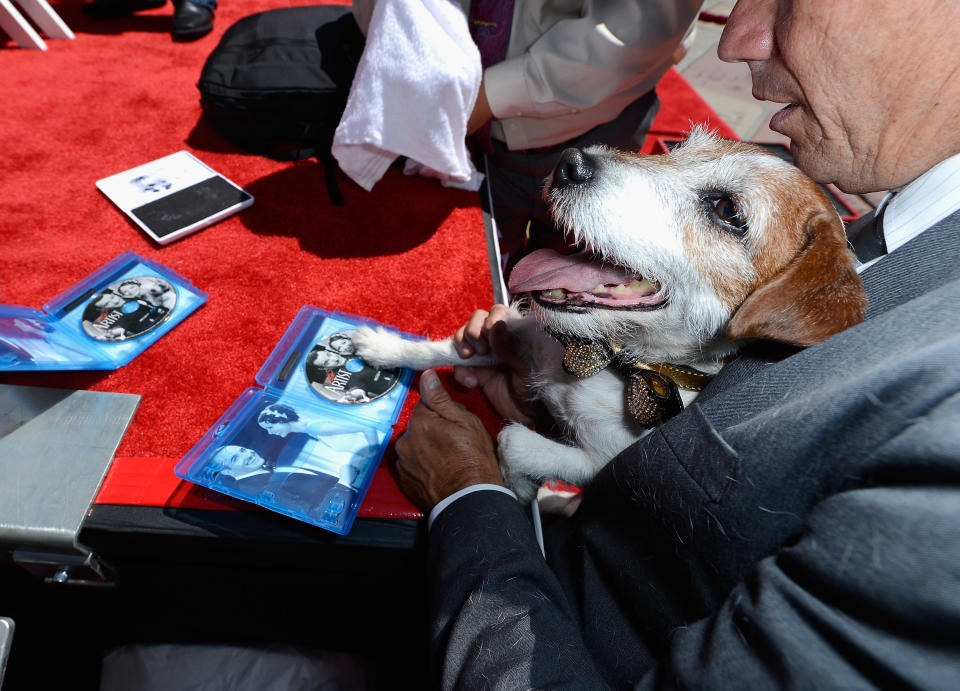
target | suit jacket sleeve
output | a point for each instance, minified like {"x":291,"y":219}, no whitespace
{"x":869,"y":596}
{"x":500,"y":619}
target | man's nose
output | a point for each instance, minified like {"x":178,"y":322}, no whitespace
{"x":574,"y":168}
{"x":748,"y":34}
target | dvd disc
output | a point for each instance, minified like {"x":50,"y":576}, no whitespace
{"x":129,"y":308}
{"x":335,"y":372}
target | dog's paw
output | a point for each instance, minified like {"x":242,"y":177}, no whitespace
{"x":518,"y":448}
{"x":517,"y":443}
{"x":379,"y":347}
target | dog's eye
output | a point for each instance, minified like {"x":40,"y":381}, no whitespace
{"x":726,"y":211}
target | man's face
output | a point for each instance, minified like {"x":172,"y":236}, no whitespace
{"x":239,"y":458}
{"x":327,"y":359}
{"x":857,"y":77}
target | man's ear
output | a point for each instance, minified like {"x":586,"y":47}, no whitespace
{"x":815,"y":296}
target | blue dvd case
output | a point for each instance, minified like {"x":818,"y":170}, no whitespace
{"x":307,"y":443}
{"x":101,"y":323}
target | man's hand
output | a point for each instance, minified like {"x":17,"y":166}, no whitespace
{"x":444,"y":449}
{"x":504,"y":386}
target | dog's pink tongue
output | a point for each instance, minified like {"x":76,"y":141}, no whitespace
{"x":546,"y":269}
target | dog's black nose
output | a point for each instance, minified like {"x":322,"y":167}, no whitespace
{"x":573,"y":168}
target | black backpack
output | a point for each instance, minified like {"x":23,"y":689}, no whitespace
{"x":277,"y":83}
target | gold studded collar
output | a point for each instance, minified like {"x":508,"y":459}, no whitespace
{"x":653,"y":389}
{"x":686,"y":378}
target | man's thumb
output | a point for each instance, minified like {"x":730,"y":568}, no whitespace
{"x":434,"y":395}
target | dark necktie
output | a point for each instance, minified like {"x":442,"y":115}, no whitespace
{"x":866,"y":236}
{"x":490,"y":22}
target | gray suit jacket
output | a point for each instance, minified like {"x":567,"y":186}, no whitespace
{"x":799,"y":525}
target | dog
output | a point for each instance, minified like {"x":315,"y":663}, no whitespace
{"x":682,"y":258}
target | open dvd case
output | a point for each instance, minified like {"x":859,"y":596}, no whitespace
{"x":101,"y":323}
{"x":306,"y":442}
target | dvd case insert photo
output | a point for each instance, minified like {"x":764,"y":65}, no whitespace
{"x":307,"y":443}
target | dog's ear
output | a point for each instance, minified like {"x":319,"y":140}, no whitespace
{"x":815,"y":296}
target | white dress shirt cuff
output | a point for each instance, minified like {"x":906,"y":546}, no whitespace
{"x":505,"y":86}
{"x":462,"y":493}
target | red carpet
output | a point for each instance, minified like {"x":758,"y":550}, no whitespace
{"x":410,"y":253}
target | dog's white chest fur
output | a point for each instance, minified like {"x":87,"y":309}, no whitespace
{"x":592,"y":409}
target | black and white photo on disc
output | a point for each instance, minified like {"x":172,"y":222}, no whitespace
{"x":336,"y":373}
{"x":129,"y":308}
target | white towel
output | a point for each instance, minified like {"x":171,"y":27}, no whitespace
{"x":412,"y":95}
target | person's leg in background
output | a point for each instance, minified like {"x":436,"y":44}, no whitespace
{"x":192,"y":19}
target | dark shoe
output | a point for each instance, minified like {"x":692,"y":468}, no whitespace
{"x":191,"y":21}
{"x":114,"y":9}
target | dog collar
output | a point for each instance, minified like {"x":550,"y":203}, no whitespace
{"x":653,"y":389}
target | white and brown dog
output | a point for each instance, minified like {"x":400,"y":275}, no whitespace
{"x":684,"y":256}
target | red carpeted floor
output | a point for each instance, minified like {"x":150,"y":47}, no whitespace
{"x":411,"y":253}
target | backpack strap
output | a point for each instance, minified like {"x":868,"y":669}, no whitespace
{"x":330,"y":169}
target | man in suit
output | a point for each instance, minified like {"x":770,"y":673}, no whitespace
{"x":799,"y":524}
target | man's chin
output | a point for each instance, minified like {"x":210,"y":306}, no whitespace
{"x":809,"y":162}
{"x":825,"y":169}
